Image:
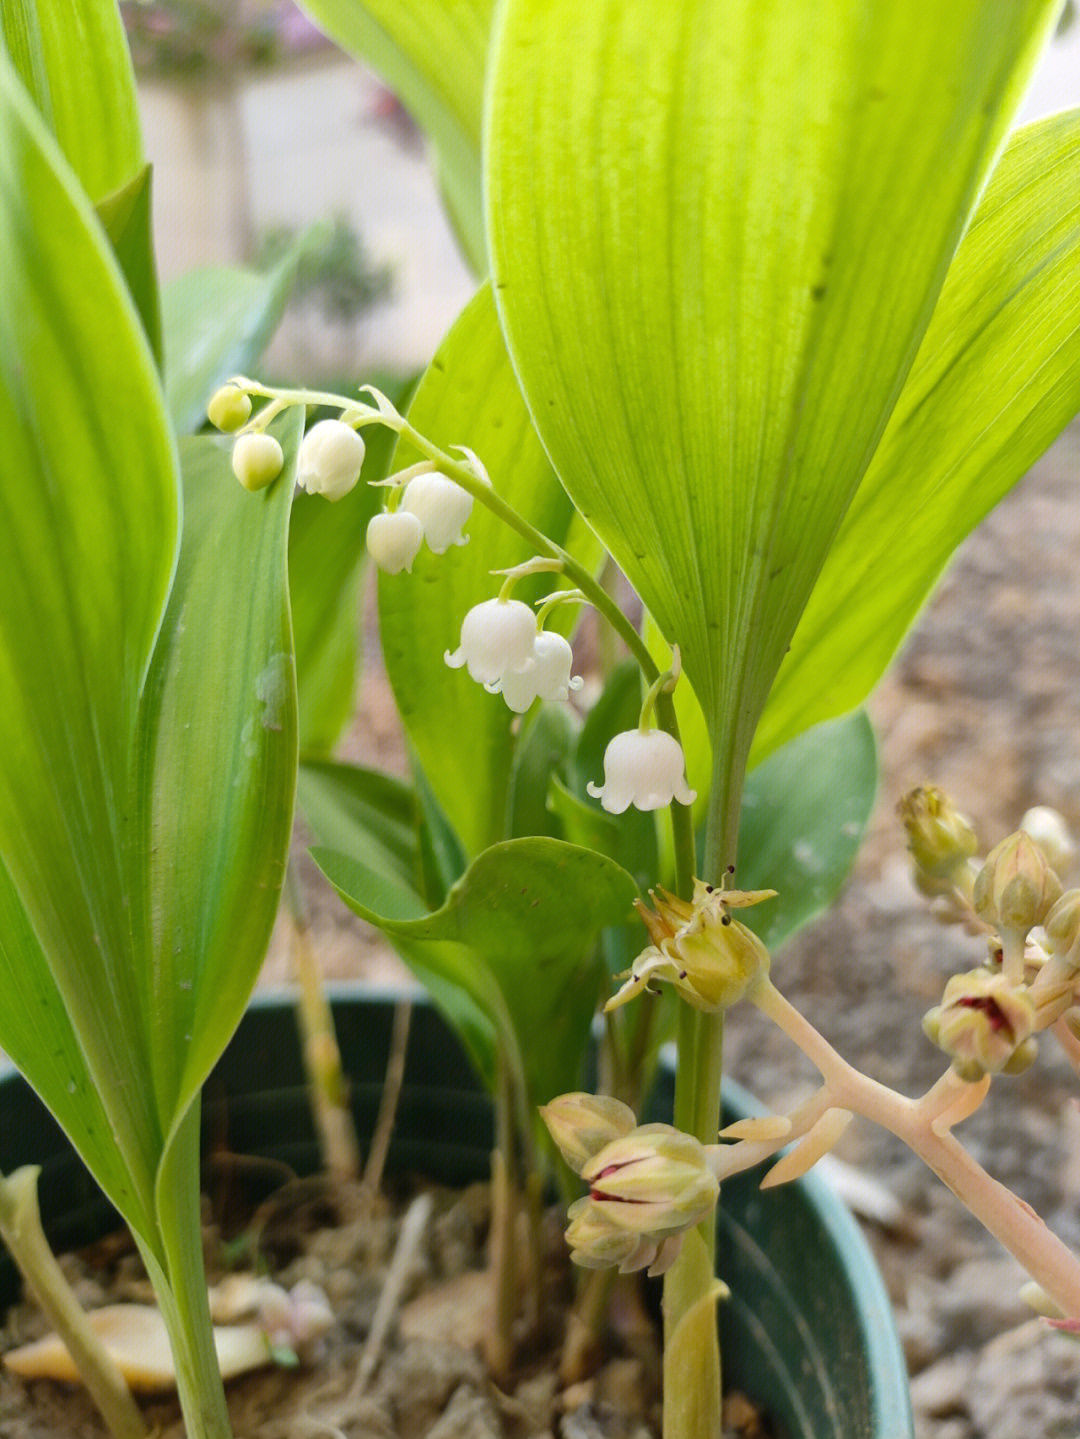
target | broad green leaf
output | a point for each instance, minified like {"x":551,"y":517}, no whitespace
{"x":468,"y":397}
{"x":127,"y":218}
{"x":326,"y":563}
{"x":522,"y":923}
{"x":88,"y":535}
{"x":362,"y":812}
{"x":218,"y":735}
{"x":804,"y":814}
{"x":73,"y":58}
{"x":217,"y":321}
{"x":432,"y":54}
{"x":717,"y":234}
{"x":995,"y":381}
{"x":37,"y":1035}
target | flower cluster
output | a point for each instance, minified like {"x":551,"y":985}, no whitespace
{"x":432,"y":508}
{"x":648,"y":1184}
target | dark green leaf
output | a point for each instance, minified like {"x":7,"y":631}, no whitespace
{"x":804,"y":814}
{"x":520,"y":926}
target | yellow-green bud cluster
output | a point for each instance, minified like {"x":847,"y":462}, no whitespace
{"x":940,"y":839}
{"x":697,"y":947}
{"x":648,"y":1184}
{"x":985,"y":1023}
{"x":1016,"y":888}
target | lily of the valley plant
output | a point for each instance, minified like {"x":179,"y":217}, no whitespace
{"x":772,"y":308}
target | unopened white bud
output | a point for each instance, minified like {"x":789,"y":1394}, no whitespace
{"x":394,"y":541}
{"x":330,"y":458}
{"x":257,"y":460}
{"x":441,"y":506}
{"x":643,"y":768}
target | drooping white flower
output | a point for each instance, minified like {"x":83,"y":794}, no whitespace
{"x":441,"y":506}
{"x":645,"y":769}
{"x":394,"y":540}
{"x":496,"y":640}
{"x":330,"y":458}
{"x":548,"y":678}
{"x":257,"y":460}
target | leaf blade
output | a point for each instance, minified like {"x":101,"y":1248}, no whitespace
{"x":711,"y":351}
{"x":995,"y":381}
{"x":72,"y":55}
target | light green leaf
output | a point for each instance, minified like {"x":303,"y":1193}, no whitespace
{"x":218,"y":735}
{"x":469,"y":397}
{"x":362,"y":812}
{"x":88,"y":534}
{"x":217,"y":321}
{"x":522,"y":923}
{"x":37,"y":1035}
{"x":717,"y":235}
{"x":996,"y":380}
{"x":127,"y":218}
{"x":326,"y":562}
{"x":432,"y":54}
{"x":73,"y":58}
{"x":804,"y":814}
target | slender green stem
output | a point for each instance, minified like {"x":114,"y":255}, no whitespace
{"x":181,"y":1285}
{"x":691,"y":1279}
{"x":21,"y":1231}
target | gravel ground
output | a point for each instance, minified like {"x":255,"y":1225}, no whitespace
{"x":985,"y":702}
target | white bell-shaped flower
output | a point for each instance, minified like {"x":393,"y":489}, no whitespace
{"x":496,"y":640}
{"x":643,"y":768}
{"x":441,"y":507}
{"x":394,"y":540}
{"x":331,"y":454}
{"x":548,"y":678}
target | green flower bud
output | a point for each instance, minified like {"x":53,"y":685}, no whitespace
{"x":229,"y":408}
{"x":983,"y":1021}
{"x":654,"y":1181}
{"x":581,"y":1125}
{"x":1062,"y":925}
{"x":710,"y":958}
{"x":940,"y":838}
{"x":257,"y":460}
{"x":1015,"y":887}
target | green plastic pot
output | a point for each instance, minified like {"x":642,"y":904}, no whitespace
{"x":807,"y":1334}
